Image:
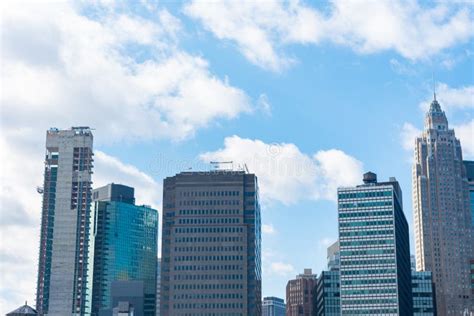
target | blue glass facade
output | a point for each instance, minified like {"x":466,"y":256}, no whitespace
{"x":374,"y":250}
{"x":424,"y":302}
{"x":327,"y":296}
{"x":125,"y":243}
{"x":273,"y":306}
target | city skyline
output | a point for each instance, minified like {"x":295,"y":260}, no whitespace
{"x":308,"y":102}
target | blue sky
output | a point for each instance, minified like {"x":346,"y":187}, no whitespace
{"x":309,"y":95}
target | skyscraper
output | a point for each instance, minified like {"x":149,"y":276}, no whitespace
{"x":124,"y":238}
{"x":374,"y":249}
{"x":273,"y":306}
{"x":469,"y":165}
{"x":158,"y":286}
{"x":442,"y":216}
{"x":211,"y":244}
{"x":65,"y":223}
{"x":300,"y":294}
{"x":423,"y":291}
{"x":327,"y":300}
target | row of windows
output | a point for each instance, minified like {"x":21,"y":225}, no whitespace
{"x":358,"y":195}
{"x":368,"y":242}
{"x":208,"y":258}
{"x":367,"y":271}
{"x":366,"y":233}
{"x":208,"y":267}
{"x":191,"y":230}
{"x":201,"y":286}
{"x":367,"y":262}
{"x":370,"y":301}
{"x":185,"y":277}
{"x":209,"y":202}
{"x":209,"y":249}
{"x":367,"y":252}
{"x":368,"y":281}
{"x":210,"y":193}
{"x":367,"y":223}
{"x":208,"y":212}
{"x":370,"y":291}
{"x":365,"y":214}
{"x":377,"y":311}
{"x":208,"y":239}
{"x":365,"y":204}
{"x":199,"y":221}
{"x":207,"y":305}
{"x":208,"y":296}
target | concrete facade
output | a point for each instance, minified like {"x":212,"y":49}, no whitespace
{"x":211,"y":245}
{"x":65,"y":223}
{"x":442,"y":215}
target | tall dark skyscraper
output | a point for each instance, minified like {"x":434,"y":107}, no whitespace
{"x":211,"y":244}
{"x":442,"y":215}
{"x":124,"y":239}
{"x":375,"y":270}
{"x":65,"y":223}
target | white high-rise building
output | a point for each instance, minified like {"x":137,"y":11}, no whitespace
{"x":442,"y":218}
{"x":62,"y":286}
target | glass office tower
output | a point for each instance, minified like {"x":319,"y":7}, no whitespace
{"x":273,"y":306}
{"x":211,"y":244}
{"x":424,"y":296}
{"x":327,"y":301}
{"x":65,"y":223}
{"x":125,"y":246}
{"x":374,"y":249}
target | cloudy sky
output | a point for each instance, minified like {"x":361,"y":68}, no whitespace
{"x":308,"y":94}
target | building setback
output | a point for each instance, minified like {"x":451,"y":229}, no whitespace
{"x":273,"y":306}
{"x":442,"y":216}
{"x":374,"y":249}
{"x":124,"y":239}
{"x":211,"y":244}
{"x":299,"y":294}
{"x":65,"y":223}
{"x":327,"y":300}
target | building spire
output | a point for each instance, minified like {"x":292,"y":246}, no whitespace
{"x":434,"y":86}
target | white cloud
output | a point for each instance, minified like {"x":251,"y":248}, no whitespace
{"x":268,"y":229}
{"x":109,"y":169}
{"x":286,"y":174}
{"x":258,"y":26}
{"x":451,"y":99}
{"x":408,"y":135}
{"x":465,"y":133}
{"x":261,"y":29}
{"x":264,"y":105}
{"x":282,"y":269}
{"x":119,"y":73}
{"x":122,"y":74}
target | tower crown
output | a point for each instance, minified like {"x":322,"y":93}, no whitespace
{"x":435,"y":117}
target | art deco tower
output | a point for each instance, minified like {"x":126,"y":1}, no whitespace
{"x":442,"y":218}
{"x":65,"y":223}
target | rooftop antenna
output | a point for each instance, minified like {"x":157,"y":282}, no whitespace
{"x":434,"y":84}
